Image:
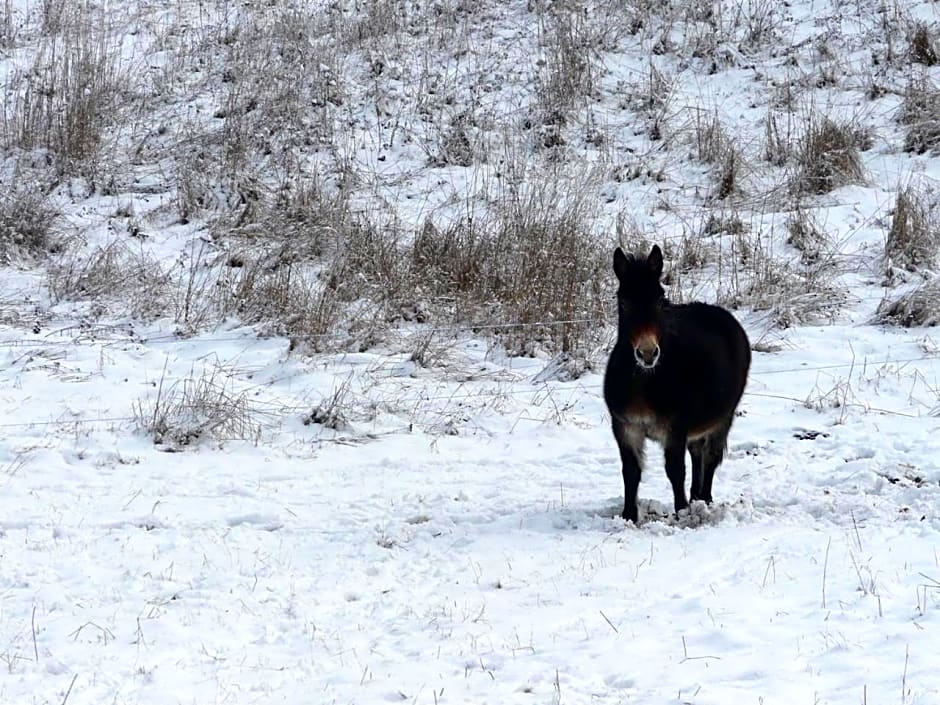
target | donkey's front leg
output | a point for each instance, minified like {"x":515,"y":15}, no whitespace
{"x":630,"y":444}
{"x":675,"y":467}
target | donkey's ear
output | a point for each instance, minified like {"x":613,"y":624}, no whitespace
{"x":620,"y":263}
{"x":655,"y":261}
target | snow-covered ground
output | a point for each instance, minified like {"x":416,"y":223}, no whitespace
{"x":451,"y":534}
{"x":490,"y":566}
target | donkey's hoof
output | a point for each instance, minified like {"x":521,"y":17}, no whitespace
{"x":633,"y":516}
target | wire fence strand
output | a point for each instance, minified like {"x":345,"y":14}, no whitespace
{"x":456,"y":395}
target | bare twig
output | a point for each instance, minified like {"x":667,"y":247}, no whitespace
{"x":907,"y":650}
{"x":69,"y":691}
{"x":686,"y":657}
{"x":609,"y":622}
{"x":33,"y":624}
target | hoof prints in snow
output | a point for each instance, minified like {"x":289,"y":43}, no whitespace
{"x":909,"y":479}
{"x":148,"y":522}
{"x":809,"y":435}
{"x":418,"y":519}
{"x":265,"y":522}
{"x":698,"y":514}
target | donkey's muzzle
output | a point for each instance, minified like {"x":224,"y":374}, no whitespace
{"x":646,"y":352}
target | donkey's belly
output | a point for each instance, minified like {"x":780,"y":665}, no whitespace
{"x":645,"y":423}
{"x":706,"y":429}
{"x":647,"y":426}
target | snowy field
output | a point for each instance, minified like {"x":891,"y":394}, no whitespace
{"x":197,"y":509}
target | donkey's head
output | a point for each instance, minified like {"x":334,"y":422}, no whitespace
{"x":640,"y":301}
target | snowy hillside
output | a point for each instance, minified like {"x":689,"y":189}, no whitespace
{"x":304,"y":314}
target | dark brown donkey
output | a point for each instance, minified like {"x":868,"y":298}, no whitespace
{"x":675,"y":375}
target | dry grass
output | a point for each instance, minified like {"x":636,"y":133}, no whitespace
{"x":453,"y":146}
{"x":532,"y":262}
{"x":693,"y":252}
{"x":651,"y":97}
{"x":778,"y":140}
{"x":56,"y":15}
{"x":918,"y":307}
{"x":28,"y":221}
{"x":711,"y":139}
{"x":260,"y":286}
{"x":806,"y":235}
{"x":922,"y":47}
{"x":920,"y":116}
{"x":827,"y":157}
{"x":333,"y":410}
{"x":914,"y":236}
{"x":203,"y":405}
{"x":276,"y":84}
{"x":280,"y":80}
{"x":790,"y":295}
{"x":8,"y":29}
{"x":68,"y":98}
{"x":297,"y":300}
{"x":567,"y":73}
{"x":327,"y":286}
{"x":715,"y":147}
{"x":286,"y":129}
{"x":117,"y":275}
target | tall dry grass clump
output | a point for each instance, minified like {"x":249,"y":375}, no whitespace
{"x":913,"y":239}
{"x":716,"y":147}
{"x":203,"y":405}
{"x":532,"y":261}
{"x":276,"y":83}
{"x":113,"y":276}
{"x":67,"y":98}
{"x":918,"y":307}
{"x":789,"y":293}
{"x":806,"y":235}
{"x":28,"y":221}
{"x":919,"y":114}
{"x":922,"y":45}
{"x":567,"y":74}
{"x":826,"y":158}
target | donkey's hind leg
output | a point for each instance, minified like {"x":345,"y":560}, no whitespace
{"x":714,"y":453}
{"x":696,"y":450}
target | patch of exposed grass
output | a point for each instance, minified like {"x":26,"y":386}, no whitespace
{"x":827,"y":157}
{"x":922,"y":47}
{"x":806,"y":235}
{"x":203,"y":405}
{"x":913,"y":239}
{"x":532,"y":261}
{"x":116,"y":276}
{"x":918,"y":307}
{"x":920,"y":116}
{"x":67,"y":99}
{"x":28,"y":221}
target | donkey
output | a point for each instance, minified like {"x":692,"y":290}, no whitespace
{"x":675,"y":375}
